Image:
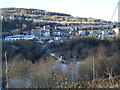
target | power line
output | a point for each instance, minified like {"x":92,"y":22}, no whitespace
{"x":115,"y":10}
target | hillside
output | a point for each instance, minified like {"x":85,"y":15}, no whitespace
{"x":26,"y":11}
{"x":32,"y":13}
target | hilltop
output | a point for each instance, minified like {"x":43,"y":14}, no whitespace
{"x":28,"y":11}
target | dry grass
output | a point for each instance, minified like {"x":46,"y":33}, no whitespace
{"x":111,"y":82}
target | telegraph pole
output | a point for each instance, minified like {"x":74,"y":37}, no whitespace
{"x":119,"y":17}
{"x":119,"y":11}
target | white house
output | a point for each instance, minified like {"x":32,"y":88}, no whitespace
{"x":57,"y":38}
{"x":12,"y":17}
{"x":45,"y":33}
{"x":82,"y":32}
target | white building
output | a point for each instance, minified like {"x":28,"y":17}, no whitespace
{"x":12,"y":17}
{"x":19,"y":37}
{"x":57,"y":38}
{"x":82,"y":32}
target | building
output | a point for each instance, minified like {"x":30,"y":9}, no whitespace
{"x":36,"y":32}
{"x":19,"y":37}
{"x":45,"y":33}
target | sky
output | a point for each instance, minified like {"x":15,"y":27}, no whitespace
{"x":99,"y":9}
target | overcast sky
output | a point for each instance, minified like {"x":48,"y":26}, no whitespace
{"x":101,"y":9}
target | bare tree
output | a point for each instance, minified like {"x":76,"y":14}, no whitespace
{"x":6,"y":69}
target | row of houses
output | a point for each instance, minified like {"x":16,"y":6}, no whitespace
{"x":20,"y":37}
{"x":43,"y":19}
{"x":52,"y":33}
{"x":60,"y":32}
{"x":58,"y":35}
